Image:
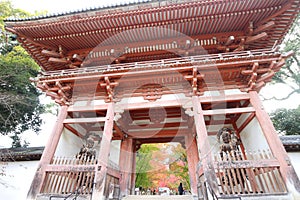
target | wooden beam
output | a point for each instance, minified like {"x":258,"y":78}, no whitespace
{"x":158,"y":133}
{"x":259,"y":36}
{"x":258,"y":71}
{"x":264,"y":27}
{"x":162,"y":125}
{"x":58,"y":60}
{"x":51,"y":53}
{"x":246,"y":122}
{"x":73,"y":130}
{"x":266,"y":77}
{"x":70,"y":168}
{"x":246,"y":164}
{"x":84,"y":120}
{"x":159,"y":140}
{"x":225,"y":98}
{"x":159,"y":103}
{"x":228,"y":111}
{"x":75,"y":108}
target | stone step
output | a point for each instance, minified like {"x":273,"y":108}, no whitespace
{"x":160,"y":197}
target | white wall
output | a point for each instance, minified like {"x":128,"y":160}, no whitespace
{"x":16,"y":183}
{"x":69,"y":144}
{"x":114,"y":155}
{"x":252,"y":136}
{"x":295,"y":159}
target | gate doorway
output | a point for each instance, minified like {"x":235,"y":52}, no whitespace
{"x":160,"y":167}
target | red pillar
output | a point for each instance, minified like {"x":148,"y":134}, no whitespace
{"x":193,"y":159}
{"x":100,"y":176}
{"x":48,"y":154}
{"x":274,"y":142}
{"x":133,"y":175}
{"x":126,"y":157}
{"x":203,"y":144}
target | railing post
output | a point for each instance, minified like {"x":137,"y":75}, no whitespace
{"x":48,"y":154}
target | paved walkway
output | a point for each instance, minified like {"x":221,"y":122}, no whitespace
{"x":154,"y":197}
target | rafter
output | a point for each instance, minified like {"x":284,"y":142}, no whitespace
{"x":73,"y":130}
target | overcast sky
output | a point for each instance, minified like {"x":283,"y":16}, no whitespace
{"x":55,"y":6}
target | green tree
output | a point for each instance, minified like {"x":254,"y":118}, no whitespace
{"x":287,"y":121}
{"x":290,"y":73}
{"x":162,"y":165}
{"x":143,"y":166}
{"x":20,"y":107}
{"x":180,"y":166}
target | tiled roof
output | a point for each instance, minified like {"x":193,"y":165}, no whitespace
{"x":21,"y":154}
{"x":149,"y":27}
{"x":291,"y":142}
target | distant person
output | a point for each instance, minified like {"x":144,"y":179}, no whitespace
{"x":154,"y":192}
{"x":180,"y":189}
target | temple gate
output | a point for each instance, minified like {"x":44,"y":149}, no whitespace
{"x":161,"y":71}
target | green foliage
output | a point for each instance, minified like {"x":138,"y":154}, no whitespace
{"x":19,"y":102}
{"x":287,"y":121}
{"x":162,"y":165}
{"x":19,"y":99}
{"x":290,"y":73}
{"x":180,"y":166}
{"x":8,"y":40}
{"x":143,"y":158}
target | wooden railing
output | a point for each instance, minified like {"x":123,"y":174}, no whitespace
{"x":166,"y":63}
{"x":75,"y":175}
{"x":242,"y":174}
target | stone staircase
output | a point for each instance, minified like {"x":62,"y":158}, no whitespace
{"x":154,"y":197}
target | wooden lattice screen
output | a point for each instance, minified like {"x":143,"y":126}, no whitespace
{"x":65,"y":176}
{"x":251,"y":173}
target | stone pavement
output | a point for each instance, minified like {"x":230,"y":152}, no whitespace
{"x":154,"y":197}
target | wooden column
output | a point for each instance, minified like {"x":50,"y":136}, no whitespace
{"x":133,"y":171}
{"x":48,"y":154}
{"x":274,"y":142}
{"x":203,"y":144}
{"x":126,"y":156}
{"x":201,"y":132}
{"x":103,"y":157}
{"x":193,"y":159}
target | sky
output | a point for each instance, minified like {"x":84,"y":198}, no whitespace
{"x":57,"y":6}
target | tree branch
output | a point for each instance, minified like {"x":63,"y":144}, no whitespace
{"x":297,"y":61}
{"x":283,"y":98}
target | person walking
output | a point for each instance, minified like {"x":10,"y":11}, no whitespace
{"x":180,"y":189}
